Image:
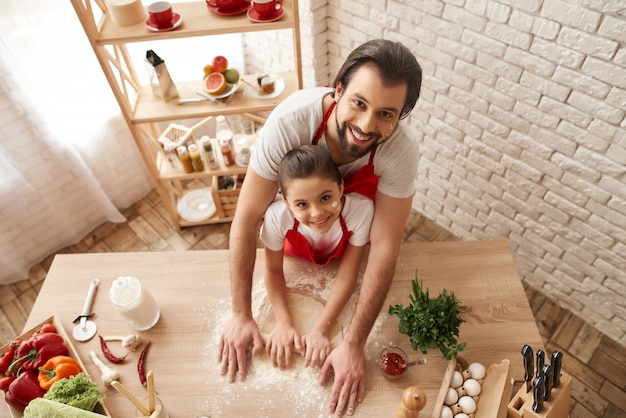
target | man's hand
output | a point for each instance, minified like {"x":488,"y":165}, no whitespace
{"x":348,"y":363}
{"x":238,"y":332}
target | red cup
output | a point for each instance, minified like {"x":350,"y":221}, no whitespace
{"x":228,"y":4}
{"x":267,"y":8}
{"x":160,"y":13}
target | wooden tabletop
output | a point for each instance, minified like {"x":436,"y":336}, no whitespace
{"x":193,"y":292}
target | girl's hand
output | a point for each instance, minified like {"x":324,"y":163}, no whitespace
{"x":280,"y":344}
{"x":317,"y":347}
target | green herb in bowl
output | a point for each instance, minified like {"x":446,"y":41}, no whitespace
{"x":431,"y":323}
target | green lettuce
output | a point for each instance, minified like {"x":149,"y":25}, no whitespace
{"x":78,"y":391}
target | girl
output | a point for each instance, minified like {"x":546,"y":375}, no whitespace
{"x":314,"y":221}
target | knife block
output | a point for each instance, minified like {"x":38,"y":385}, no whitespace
{"x":521,"y":406}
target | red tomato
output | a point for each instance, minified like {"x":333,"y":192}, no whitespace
{"x":47,"y":328}
{"x":5,"y":382}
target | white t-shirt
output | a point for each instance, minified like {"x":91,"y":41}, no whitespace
{"x":357,"y":213}
{"x":295,"y":121}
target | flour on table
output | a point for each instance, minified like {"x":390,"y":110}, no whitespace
{"x":310,"y":399}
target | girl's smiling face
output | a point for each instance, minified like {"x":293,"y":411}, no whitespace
{"x":315,"y":201}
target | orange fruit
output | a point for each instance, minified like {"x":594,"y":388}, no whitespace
{"x":215,"y":83}
{"x":208,"y":69}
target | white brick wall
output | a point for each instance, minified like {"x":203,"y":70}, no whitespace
{"x":523,"y":134}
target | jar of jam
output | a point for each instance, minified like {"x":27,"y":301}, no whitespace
{"x":185,"y":158}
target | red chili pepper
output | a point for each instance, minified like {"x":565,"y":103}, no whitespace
{"x":9,"y":356}
{"x":34,"y":352}
{"x":141,"y":364}
{"x":23,"y":390}
{"x":108,"y":354}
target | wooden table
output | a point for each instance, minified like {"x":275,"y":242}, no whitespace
{"x":193,"y":291}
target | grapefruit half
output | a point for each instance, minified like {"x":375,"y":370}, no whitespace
{"x":215,"y":83}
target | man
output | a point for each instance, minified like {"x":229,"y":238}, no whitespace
{"x":377,"y":86}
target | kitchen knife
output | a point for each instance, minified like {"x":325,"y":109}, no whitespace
{"x":556,"y":361}
{"x":538,"y":394}
{"x":541,"y":360}
{"x":548,"y":377}
{"x":527,"y":352}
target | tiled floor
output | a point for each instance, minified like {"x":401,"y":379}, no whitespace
{"x":596,"y":362}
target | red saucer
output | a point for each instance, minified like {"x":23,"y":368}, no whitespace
{"x":228,"y":12}
{"x":254,"y":16}
{"x":176,"y":21}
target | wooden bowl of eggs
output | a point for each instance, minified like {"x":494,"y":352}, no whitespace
{"x":474,"y":391}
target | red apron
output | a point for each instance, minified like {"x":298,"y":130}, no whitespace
{"x":364,"y":181}
{"x":297,"y":245}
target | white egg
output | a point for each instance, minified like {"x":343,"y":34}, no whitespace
{"x":446,"y":412}
{"x":461,"y":415}
{"x":467,"y":404}
{"x":477,"y":370}
{"x":472,"y":387}
{"x":457,"y":379}
{"x":451,"y":397}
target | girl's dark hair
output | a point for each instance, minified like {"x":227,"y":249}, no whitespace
{"x":306,"y":161}
{"x":396,"y":64}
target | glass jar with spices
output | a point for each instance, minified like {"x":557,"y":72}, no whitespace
{"x":184,"y":158}
{"x":196,"y":158}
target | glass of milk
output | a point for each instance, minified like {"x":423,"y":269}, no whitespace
{"x":134,"y":303}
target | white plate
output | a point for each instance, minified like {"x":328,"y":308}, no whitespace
{"x":279,"y":86}
{"x":196,"y":205}
{"x":230,"y":90}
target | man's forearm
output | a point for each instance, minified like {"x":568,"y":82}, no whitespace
{"x":390,"y":216}
{"x":376,"y":282}
{"x":242,"y":255}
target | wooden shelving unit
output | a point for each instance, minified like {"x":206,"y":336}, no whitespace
{"x":143,"y":112}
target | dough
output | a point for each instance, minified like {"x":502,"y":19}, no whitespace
{"x":304,"y":310}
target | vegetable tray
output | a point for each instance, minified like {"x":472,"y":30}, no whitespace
{"x":100,"y":408}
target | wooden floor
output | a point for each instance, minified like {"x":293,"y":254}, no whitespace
{"x":597,"y":364}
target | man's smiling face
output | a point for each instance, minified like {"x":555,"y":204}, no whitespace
{"x":367,"y":111}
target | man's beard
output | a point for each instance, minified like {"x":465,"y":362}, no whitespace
{"x":352,"y":150}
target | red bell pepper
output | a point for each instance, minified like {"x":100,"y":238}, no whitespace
{"x":34,"y":352}
{"x":9,"y":356}
{"x":23,"y":390}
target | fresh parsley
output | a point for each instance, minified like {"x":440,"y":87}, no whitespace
{"x":431,"y":323}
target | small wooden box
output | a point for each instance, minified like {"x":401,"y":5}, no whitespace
{"x":495,"y":391}
{"x":100,"y":408}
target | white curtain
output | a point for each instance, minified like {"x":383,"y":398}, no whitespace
{"x":67,"y":159}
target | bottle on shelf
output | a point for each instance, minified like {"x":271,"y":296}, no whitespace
{"x":209,"y":153}
{"x":185,"y":158}
{"x":223,"y":131}
{"x":169,"y":149}
{"x":227,"y":152}
{"x":196,"y":158}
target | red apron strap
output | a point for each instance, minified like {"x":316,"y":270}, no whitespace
{"x":320,"y":130}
